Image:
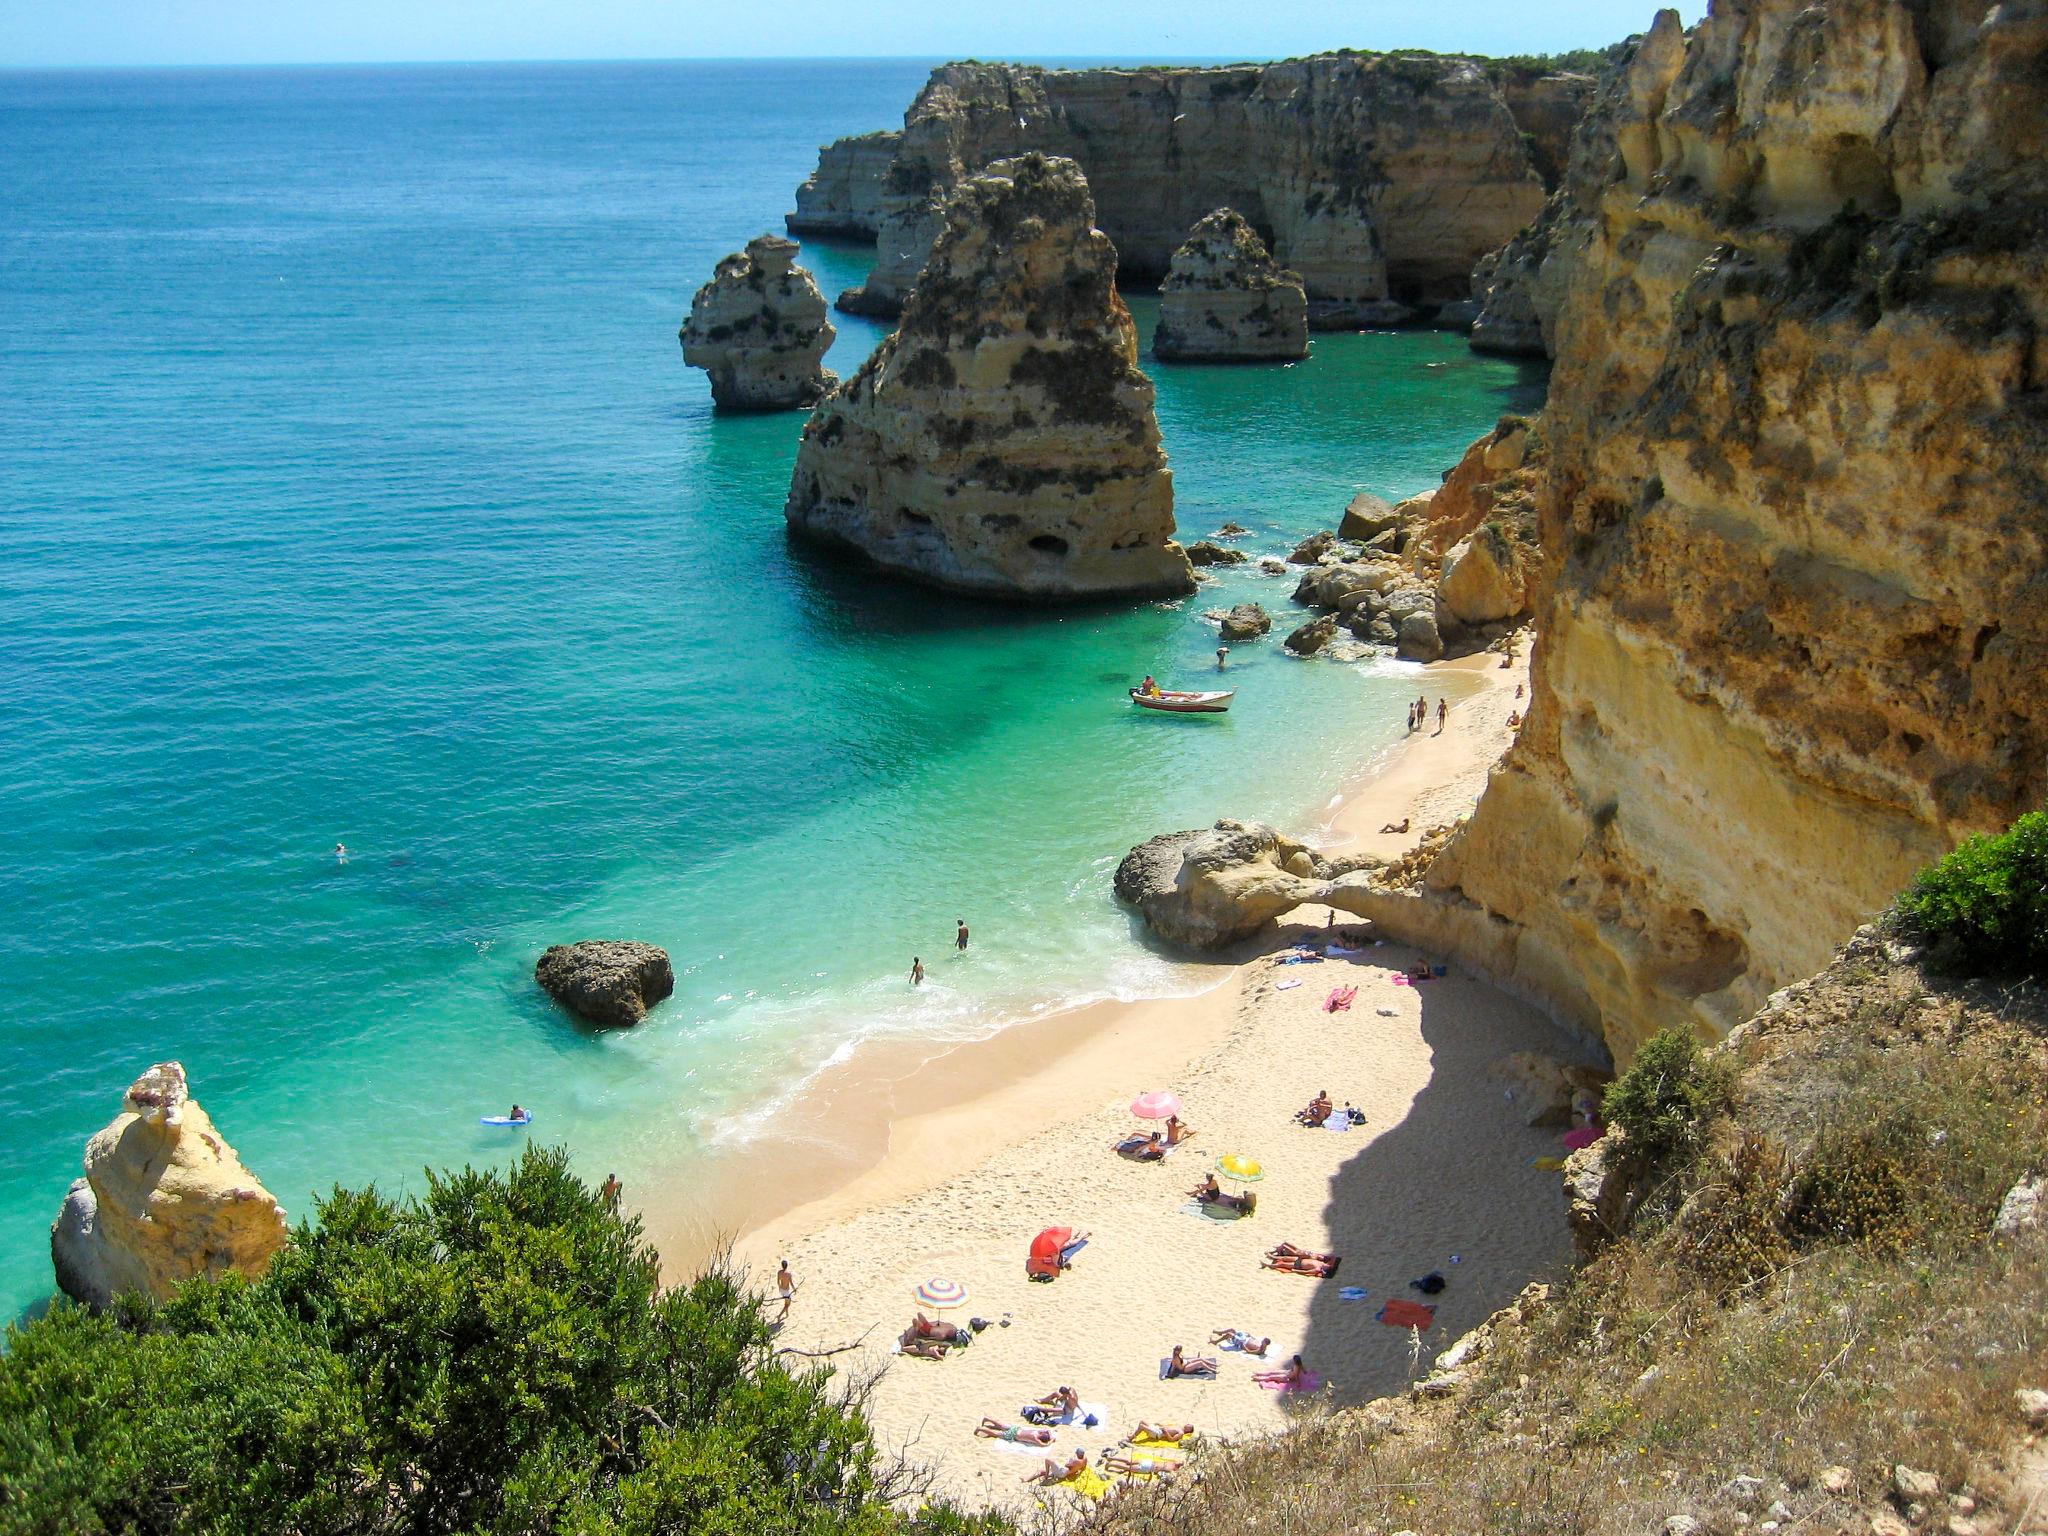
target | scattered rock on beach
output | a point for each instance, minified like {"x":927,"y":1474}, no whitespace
{"x":1367,"y":517}
{"x":612,"y":982}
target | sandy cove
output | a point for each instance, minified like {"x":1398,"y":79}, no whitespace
{"x":995,"y":1141}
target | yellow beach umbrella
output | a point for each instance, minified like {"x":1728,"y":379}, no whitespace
{"x":1241,"y":1169}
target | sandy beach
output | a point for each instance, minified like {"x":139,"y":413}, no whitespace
{"x":983,"y":1147}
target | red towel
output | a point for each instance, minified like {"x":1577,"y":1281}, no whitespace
{"x":1341,"y":997}
{"x":1407,"y":1314}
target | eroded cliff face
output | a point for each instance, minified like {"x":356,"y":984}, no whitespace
{"x":1002,"y":441}
{"x":1380,"y":179}
{"x":1226,"y":300}
{"x":759,"y":328}
{"x":1794,"y":601}
{"x":164,"y":1198}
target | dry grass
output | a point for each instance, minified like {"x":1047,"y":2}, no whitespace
{"x":1819,"y":1290}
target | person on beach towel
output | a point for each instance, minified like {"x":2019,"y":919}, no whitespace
{"x":1290,"y":1260}
{"x":1318,"y":1109}
{"x":1140,"y":1466}
{"x":1016,"y":1434}
{"x":1059,"y":1472}
{"x":1400,"y":1313}
{"x":1289,"y":1376}
{"x":1242,"y":1342}
{"x":1178,"y":1364}
{"x":1159,"y":1434}
{"x":1340,"y":998}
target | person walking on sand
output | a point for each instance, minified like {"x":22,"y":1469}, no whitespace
{"x":1443,"y":710}
{"x":960,"y":938}
{"x":916,"y":971}
{"x":785,"y":1285}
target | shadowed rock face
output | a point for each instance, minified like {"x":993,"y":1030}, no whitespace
{"x":1794,"y":516}
{"x":759,"y":328}
{"x":1003,"y":440}
{"x":1380,"y":179}
{"x":164,"y":1199}
{"x":607,"y":981}
{"x":1225,"y":300}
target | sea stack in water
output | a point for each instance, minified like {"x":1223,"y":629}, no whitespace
{"x":1225,"y":300}
{"x":759,"y":329}
{"x":1003,"y":440}
{"x":164,"y":1198}
{"x":607,"y":981}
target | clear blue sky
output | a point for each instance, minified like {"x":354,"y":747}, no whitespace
{"x":63,"y":32}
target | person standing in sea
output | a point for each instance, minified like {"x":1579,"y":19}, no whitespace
{"x":916,"y":971}
{"x":960,"y":938}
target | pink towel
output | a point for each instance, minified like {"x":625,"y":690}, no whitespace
{"x":1309,"y":1382}
{"x":1339,"y":998}
{"x":1584,"y":1136}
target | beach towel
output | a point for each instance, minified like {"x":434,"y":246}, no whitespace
{"x":1309,"y":1382}
{"x":1583,"y":1137}
{"x":1155,"y":1443}
{"x":1090,"y":1483}
{"x":1339,"y":998}
{"x":1167,"y":1360}
{"x":1339,"y":1121}
{"x":1301,"y":957}
{"x":1400,"y":1313}
{"x":1286,"y":986}
{"x":1547,"y":1164}
{"x":1339,"y":949}
{"x":1012,"y":1448}
{"x":1088,"y":1415}
{"x":1403,"y":979}
{"x":1352,"y":1293}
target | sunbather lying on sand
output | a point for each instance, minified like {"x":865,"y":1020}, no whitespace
{"x":1238,"y":1339}
{"x":1288,"y":1375}
{"x":945,"y":1333}
{"x":1290,"y":1251}
{"x":1143,"y":1149}
{"x":1396,"y":826}
{"x":1059,"y":1472}
{"x":923,"y":1349}
{"x":1290,"y":1260}
{"x":1016,"y":1434}
{"x":1180,"y":1365}
{"x":1170,"y":1434}
{"x":1318,"y":1109}
{"x":1139,"y":1464}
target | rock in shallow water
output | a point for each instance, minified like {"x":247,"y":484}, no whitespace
{"x":1225,"y":300}
{"x":759,"y":328}
{"x":164,"y":1198}
{"x":607,"y":981}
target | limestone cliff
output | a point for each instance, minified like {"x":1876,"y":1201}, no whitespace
{"x":1002,"y":440}
{"x":164,"y":1198}
{"x":1225,"y":300}
{"x":1381,"y":179}
{"x":1794,"y":590}
{"x":759,"y":328}
{"x":843,"y":196}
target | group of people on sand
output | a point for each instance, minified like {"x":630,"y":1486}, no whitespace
{"x":1290,"y":1260}
{"x":1418,"y":714}
{"x":1322,"y":1110}
{"x":928,"y":1340}
{"x":1143,"y":1453}
{"x":1140,"y":1147}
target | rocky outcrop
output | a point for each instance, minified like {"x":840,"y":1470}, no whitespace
{"x":1209,"y":552}
{"x":1367,"y":517}
{"x":1381,"y":179}
{"x":612,"y":982}
{"x":759,"y":328}
{"x":1208,"y":888}
{"x":1003,"y":441}
{"x":164,"y":1199}
{"x":1225,"y":300}
{"x":1794,"y":521}
{"x":843,"y":197}
{"x":1247,"y":621}
{"x":1482,"y":582}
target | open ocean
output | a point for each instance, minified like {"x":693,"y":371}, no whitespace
{"x":352,"y":488}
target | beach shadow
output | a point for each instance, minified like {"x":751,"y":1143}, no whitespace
{"x":1450,"y":1189}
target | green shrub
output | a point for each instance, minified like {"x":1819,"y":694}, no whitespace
{"x":497,"y":1355}
{"x":1666,"y":1100}
{"x":1984,"y":908}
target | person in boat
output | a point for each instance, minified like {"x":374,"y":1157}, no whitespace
{"x":1149,"y":687}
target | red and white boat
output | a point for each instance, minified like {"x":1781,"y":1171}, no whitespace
{"x":1181,"y":703}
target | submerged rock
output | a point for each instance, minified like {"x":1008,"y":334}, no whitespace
{"x":1225,"y":300}
{"x":759,"y":329}
{"x":164,"y":1199}
{"x":607,"y":981}
{"x":1003,"y":440}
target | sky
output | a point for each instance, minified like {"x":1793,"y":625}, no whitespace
{"x":42,"y":33}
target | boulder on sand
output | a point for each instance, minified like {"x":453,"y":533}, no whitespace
{"x":612,"y":982}
{"x":1206,"y":889}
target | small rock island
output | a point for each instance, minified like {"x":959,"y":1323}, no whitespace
{"x":1225,"y":300}
{"x":1003,"y":441}
{"x":759,"y":328}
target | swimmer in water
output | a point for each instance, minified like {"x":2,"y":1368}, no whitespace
{"x":340,"y":854}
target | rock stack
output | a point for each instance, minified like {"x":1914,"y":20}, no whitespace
{"x":164,"y":1198}
{"x":1225,"y":300}
{"x":612,"y":982}
{"x":759,"y":329}
{"x":1003,"y":440}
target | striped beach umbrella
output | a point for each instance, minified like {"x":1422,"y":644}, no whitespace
{"x":939,"y":1293}
{"x":1240,"y":1168}
{"x":1156,"y":1106}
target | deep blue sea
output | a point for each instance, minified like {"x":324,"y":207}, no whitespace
{"x":352,"y":488}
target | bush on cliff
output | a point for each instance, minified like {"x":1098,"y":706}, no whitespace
{"x":1984,"y":908}
{"x":494,"y":1356}
{"x":1666,"y":1100}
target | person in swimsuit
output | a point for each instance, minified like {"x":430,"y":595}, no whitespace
{"x":1222,"y":657}
{"x":1147,"y":1430}
{"x":1238,"y":1339}
{"x":1016,"y":1434}
{"x":785,"y":1284}
{"x":340,"y":854}
{"x":1179,"y":1365}
{"x":1054,"y":1472}
{"x":960,"y":938}
{"x":916,"y":971}
{"x":610,"y":1193}
{"x":1288,"y":1375}
{"x":1143,"y":1465}
{"x":1443,"y":710}
{"x":518,"y":1114}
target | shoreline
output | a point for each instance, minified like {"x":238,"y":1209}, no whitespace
{"x":890,"y":1122}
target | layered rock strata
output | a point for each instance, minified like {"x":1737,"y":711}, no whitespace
{"x":843,"y":197}
{"x":1794,"y":586}
{"x":1225,"y":300}
{"x":759,"y":328}
{"x":612,"y":982}
{"x":164,"y":1199}
{"x":1381,"y":179}
{"x":1002,"y":441}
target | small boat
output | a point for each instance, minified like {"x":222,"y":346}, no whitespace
{"x":1180,"y":703}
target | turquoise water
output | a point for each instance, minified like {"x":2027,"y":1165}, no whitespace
{"x":352,"y":488}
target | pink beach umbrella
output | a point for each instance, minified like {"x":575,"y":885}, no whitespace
{"x":1156,"y":1106}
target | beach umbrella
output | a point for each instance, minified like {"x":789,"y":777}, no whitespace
{"x":1241,"y":1169}
{"x":939,"y":1293}
{"x":1156,"y":1106}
